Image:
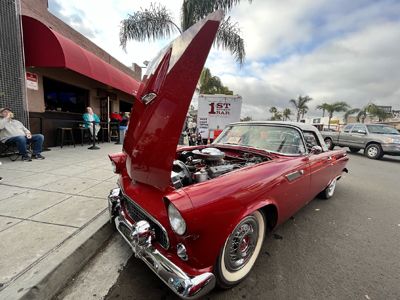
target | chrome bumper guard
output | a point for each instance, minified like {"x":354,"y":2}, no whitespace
{"x":139,"y":236}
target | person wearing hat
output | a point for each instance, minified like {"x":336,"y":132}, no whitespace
{"x":13,"y":131}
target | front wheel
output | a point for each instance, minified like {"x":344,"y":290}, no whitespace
{"x":373,"y":151}
{"x":240,"y":251}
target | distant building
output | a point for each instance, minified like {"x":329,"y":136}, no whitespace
{"x":51,"y":72}
{"x":323,"y":122}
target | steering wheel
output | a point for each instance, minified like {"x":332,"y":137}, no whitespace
{"x":182,"y":170}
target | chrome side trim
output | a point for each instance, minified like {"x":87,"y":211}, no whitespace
{"x":148,"y":215}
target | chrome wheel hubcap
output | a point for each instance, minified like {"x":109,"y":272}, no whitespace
{"x":331,"y":188}
{"x":241,"y":244}
{"x":373,"y":151}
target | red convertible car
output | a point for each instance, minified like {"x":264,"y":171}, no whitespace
{"x":197,"y":216}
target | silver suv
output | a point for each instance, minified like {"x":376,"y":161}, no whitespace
{"x":375,"y":139}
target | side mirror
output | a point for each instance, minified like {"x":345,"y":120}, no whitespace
{"x":316,"y":150}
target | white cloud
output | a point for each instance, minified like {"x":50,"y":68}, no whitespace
{"x":330,"y":50}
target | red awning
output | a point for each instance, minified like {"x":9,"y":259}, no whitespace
{"x":45,"y":47}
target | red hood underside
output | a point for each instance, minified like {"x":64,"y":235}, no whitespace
{"x":155,"y":127}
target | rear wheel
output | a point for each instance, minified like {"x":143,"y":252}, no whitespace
{"x":240,"y":251}
{"x":354,"y":150}
{"x":329,"y":143}
{"x":373,"y":151}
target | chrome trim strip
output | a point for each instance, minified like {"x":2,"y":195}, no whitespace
{"x":148,"y":215}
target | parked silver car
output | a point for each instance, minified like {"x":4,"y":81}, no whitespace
{"x":375,"y":139}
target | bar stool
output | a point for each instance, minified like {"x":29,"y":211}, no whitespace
{"x":114,"y":132}
{"x":104,"y":134}
{"x":84,"y":134}
{"x":65,"y":134}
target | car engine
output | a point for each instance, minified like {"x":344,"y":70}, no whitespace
{"x":201,"y":165}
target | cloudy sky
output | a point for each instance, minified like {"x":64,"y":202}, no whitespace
{"x":330,"y":50}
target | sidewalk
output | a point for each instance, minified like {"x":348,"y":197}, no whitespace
{"x":49,"y":209}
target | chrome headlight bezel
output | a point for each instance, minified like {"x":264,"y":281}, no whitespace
{"x":176,"y":221}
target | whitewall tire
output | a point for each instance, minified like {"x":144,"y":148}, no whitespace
{"x":240,"y":250}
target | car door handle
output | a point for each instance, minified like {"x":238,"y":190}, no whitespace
{"x":294,"y":175}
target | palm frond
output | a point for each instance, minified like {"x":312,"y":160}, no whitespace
{"x":195,"y":10}
{"x":351,"y":112}
{"x":228,"y":37}
{"x":151,"y":23}
{"x":294,"y":102}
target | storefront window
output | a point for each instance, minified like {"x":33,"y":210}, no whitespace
{"x":125,"y":106}
{"x":60,"y":96}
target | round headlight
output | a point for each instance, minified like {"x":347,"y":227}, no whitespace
{"x":175,"y":219}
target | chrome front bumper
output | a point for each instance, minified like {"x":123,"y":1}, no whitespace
{"x":139,"y":236}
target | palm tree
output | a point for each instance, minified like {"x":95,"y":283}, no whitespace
{"x":156,"y":22}
{"x":373,"y":111}
{"x":286,"y":114}
{"x":276,"y":115}
{"x":210,"y":84}
{"x":273,"y":110}
{"x":301,"y":105}
{"x":350,"y":112}
{"x":323,"y":107}
{"x":335,"y":107}
{"x":377,"y":112}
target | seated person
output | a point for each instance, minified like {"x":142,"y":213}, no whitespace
{"x":12,"y":131}
{"x":89,"y":117}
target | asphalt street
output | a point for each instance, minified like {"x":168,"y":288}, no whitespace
{"x":347,"y":247}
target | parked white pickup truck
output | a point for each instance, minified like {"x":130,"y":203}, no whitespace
{"x":375,"y":139}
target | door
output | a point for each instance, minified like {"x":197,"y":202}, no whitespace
{"x":358,"y":134}
{"x":320,"y":165}
{"x":293,"y":192}
{"x":106,"y":104}
{"x":345,"y":135}
{"x":320,"y":172}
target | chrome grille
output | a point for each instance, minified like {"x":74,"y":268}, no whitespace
{"x":137,"y":213}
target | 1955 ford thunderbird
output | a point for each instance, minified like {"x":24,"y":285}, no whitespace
{"x":197,"y":216}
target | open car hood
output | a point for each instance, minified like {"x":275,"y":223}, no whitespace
{"x":161,"y":105}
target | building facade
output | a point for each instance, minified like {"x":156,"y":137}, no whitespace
{"x":65,"y":72}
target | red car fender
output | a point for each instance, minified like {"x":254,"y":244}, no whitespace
{"x":118,"y":161}
{"x":251,"y":208}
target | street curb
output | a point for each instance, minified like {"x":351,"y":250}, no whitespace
{"x":49,"y":276}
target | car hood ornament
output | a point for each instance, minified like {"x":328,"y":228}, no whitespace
{"x":162,"y":103}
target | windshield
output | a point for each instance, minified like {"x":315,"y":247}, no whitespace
{"x":279,"y":139}
{"x":382,"y":129}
